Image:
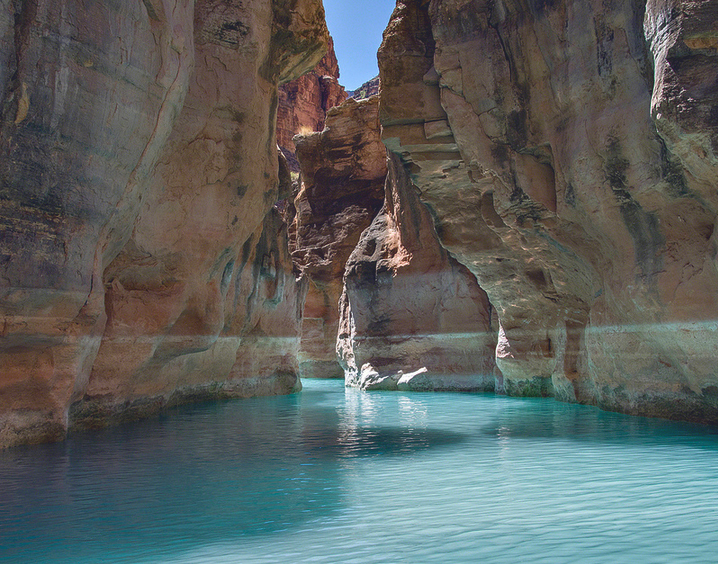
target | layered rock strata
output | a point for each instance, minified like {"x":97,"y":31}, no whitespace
{"x":568,"y":154}
{"x":225,"y":328}
{"x":304,"y":102}
{"x":412,"y":317}
{"x":343,"y":169}
{"x":138,"y":162}
{"x":367,"y":90}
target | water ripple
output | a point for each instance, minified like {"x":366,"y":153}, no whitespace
{"x":332,"y":476}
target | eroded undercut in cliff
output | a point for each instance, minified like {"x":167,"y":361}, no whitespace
{"x":556,"y":183}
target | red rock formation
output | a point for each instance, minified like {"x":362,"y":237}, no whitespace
{"x":138,"y":159}
{"x":343,"y":172}
{"x":407,"y":305}
{"x":304,"y":102}
{"x":366,"y":90}
{"x":574,"y":172}
{"x":177,"y":332}
{"x":411,"y":316}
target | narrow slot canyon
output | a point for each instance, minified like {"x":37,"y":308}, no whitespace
{"x":518,"y":205}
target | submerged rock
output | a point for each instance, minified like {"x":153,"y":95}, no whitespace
{"x":568,"y":154}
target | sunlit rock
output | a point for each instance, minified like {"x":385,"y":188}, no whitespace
{"x":568,"y":153}
{"x":367,"y":90}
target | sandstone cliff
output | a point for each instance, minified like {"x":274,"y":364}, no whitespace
{"x":304,"y":102}
{"x":412,"y":318}
{"x":342,"y":188}
{"x":568,"y":153}
{"x":138,"y":163}
{"x":367,"y":90}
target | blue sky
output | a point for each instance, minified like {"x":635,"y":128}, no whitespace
{"x":356,"y":26}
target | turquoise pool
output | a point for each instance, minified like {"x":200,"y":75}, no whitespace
{"x":341,"y":476}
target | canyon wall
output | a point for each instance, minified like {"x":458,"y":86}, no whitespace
{"x":138,"y":163}
{"x":342,"y":188}
{"x":409,"y":316}
{"x":304,"y":101}
{"x":412,"y":317}
{"x":367,"y":90}
{"x":567,"y":152}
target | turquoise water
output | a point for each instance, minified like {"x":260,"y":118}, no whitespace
{"x":335,"y":476}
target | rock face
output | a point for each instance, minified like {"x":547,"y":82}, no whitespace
{"x":342,"y":189}
{"x":568,"y":152}
{"x":138,"y":162}
{"x":304,"y":102}
{"x":226,"y":328}
{"x":412,"y":317}
{"x":367,"y":90}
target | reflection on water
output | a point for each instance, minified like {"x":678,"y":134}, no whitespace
{"x":330,"y":475}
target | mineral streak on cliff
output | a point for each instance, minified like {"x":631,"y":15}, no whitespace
{"x":568,"y":154}
{"x":138,"y":162}
{"x":304,"y":102}
{"x":342,"y":188}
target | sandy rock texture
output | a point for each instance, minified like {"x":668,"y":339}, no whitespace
{"x":343,"y":169}
{"x":367,"y":90}
{"x":304,"y":101}
{"x":412,"y":317}
{"x":568,"y":153}
{"x":137,"y":164}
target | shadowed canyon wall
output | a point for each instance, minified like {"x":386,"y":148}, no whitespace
{"x":412,"y":318}
{"x":568,"y":154}
{"x":342,"y":188}
{"x":138,"y":162}
{"x":303,"y":103}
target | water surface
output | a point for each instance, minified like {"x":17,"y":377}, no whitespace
{"x":333,"y":475}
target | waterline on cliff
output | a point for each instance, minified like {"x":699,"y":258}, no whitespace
{"x":333,"y":475}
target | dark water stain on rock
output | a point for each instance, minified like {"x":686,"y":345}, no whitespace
{"x":643,"y":226}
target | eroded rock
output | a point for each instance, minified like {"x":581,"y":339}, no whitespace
{"x":252,"y":349}
{"x":304,"y":102}
{"x":342,"y":189}
{"x":367,"y":90}
{"x":138,"y":158}
{"x":572,"y":170}
{"x":411,"y":316}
